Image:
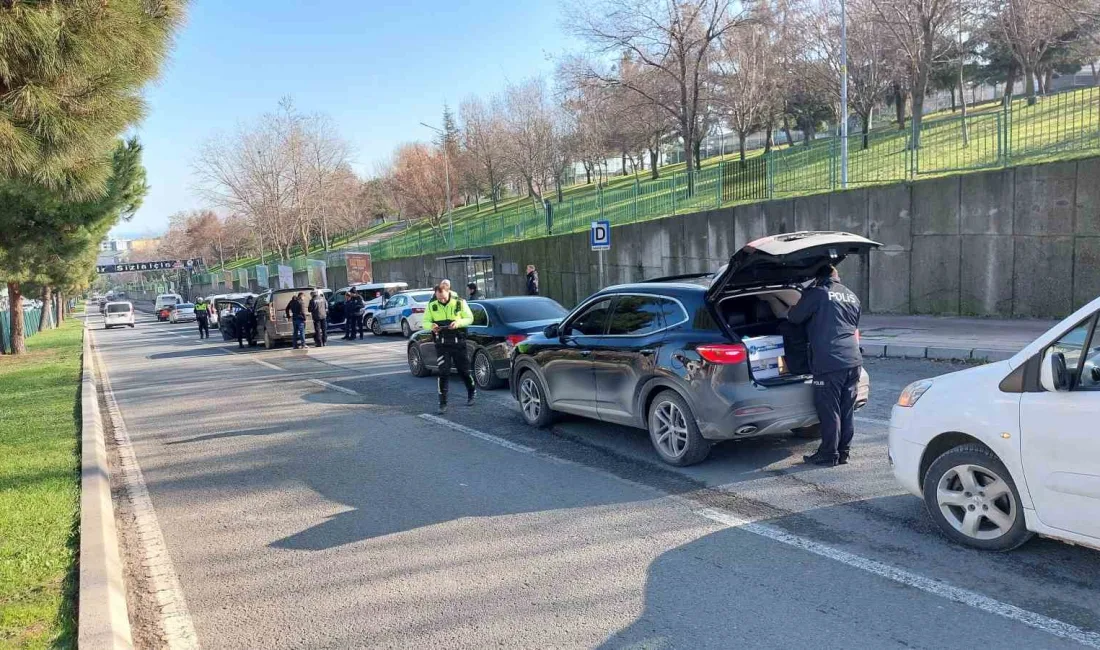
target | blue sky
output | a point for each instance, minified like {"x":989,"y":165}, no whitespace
{"x":377,"y":68}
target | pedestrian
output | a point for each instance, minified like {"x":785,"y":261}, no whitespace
{"x":355,"y":311}
{"x":446,"y":284}
{"x":318,"y":309}
{"x":472,"y":292}
{"x":202,"y":317}
{"x":244,"y":322}
{"x":831,"y":314}
{"x":296,"y":313}
{"x":532,"y":280}
{"x":448,"y":316}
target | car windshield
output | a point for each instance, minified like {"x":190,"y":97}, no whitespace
{"x":518,"y":311}
{"x":421,"y":297}
{"x":118,"y":309}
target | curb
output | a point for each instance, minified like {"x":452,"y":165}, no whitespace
{"x":103,"y":620}
{"x":900,"y":351}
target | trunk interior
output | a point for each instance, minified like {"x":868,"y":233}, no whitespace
{"x":761,"y":313}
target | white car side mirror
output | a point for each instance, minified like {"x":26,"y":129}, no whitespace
{"x":1052,"y":374}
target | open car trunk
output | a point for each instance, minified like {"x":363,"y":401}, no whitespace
{"x":756,"y":319}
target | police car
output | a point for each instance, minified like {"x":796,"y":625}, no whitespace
{"x":403,"y":313}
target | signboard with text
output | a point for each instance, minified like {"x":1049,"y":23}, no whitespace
{"x":600,"y":236}
{"x":160,"y":265}
{"x":286,"y":277}
{"x":359,"y":268}
{"x":261,"y":276}
{"x":315,"y":271}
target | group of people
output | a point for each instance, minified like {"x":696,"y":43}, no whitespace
{"x":317,"y":308}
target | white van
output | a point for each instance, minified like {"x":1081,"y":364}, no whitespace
{"x":118,"y":314}
{"x":163,"y":301}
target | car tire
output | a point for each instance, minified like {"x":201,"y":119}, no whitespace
{"x":484,"y":375}
{"x":131,"y":325}
{"x":376,"y":327}
{"x":674,"y":432}
{"x":406,"y":331}
{"x":963,"y":515}
{"x":416,"y":362}
{"x":106,"y":326}
{"x":533,"y":405}
{"x":269,"y":343}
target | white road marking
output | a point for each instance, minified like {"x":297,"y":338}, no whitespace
{"x":179,"y":629}
{"x":339,"y":389}
{"x":488,"y":437}
{"x":910,"y":579}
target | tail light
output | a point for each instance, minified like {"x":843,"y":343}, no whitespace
{"x":418,"y":310}
{"x":515,"y":339}
{"x":723,"y":353}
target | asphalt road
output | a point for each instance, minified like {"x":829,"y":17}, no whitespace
{"x":306,"y":503}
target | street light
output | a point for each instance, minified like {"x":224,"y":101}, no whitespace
{"x":447,"y":178}
{"x":843,"y":95}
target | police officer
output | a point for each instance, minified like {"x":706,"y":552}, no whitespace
{"x":448,"y":316}
{"x":318,"y":309}
{"x":831,"y":313}
{"x":244,"y":321}
{"x":202,"y":317}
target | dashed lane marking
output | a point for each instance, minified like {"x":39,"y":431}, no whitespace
{"x":488,"y":437}
{"x":339,"y":389}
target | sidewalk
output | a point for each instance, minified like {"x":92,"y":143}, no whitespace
{"x":935,"y":337}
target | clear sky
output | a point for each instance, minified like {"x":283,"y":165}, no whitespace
{"x":378,"y":68}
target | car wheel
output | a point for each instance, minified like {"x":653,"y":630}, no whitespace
{"x":532,"y":401}
{"x":972,"y":498}
{"x":131,"y":324}
{"x":484,"y":375}
{"x":269,"y":343}
{"x":673,"y":431}
{"x":106,"y":326}
{"x":406,"y":331}
{"x":376,"y":327}
{"x":416,"y":362}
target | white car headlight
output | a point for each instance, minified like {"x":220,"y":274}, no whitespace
{"x":913,"y":392}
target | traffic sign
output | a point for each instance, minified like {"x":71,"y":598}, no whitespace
{"x":600,"y":236}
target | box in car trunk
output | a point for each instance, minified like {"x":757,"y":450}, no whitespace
{"x":759,"y":319}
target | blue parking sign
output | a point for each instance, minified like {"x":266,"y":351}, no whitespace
{"x":600,"y":236}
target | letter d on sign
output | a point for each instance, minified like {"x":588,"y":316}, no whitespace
{"x":600,"y":235}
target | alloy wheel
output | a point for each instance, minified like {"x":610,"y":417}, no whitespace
{"x":976,"y":502}
{"x":670,"y":429}
{"x":530,"y":399}
{"x":415,"y":362}
{"x":376,"y":327}
{"x":483,"y":371}
{"x":405,"y":329}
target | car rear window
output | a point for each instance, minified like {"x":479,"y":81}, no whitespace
{"x":518,"y":311}
{"x":421,"y":297}
{"x":185,"y":305}
{"x":118,"y":309}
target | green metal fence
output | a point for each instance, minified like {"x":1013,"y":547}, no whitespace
{"x":994,"y":135}
{"x":32,"y":319}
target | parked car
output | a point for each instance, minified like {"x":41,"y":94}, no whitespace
{"x":499,"y":325}
{"x":373,"y":297}
{"x":272,"y":325}
{"x":1005,"y":450}
{"x":118,"y":314}
{"x":162,"y":303}
{"x":219,"y":302}
{"x":402,"y":313}
{"x":669,"y":356}
{"x":183,"y":312}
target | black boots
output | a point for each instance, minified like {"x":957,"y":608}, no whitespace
{"x":818,"y":458}
{"x":470,"y":397}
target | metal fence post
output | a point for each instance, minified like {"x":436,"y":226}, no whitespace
{"x":674,"y":177}
{"x":718,"y":194}
{"x":634,"y":210}
{"x":572,"y":223}
{"x":599,"y":200}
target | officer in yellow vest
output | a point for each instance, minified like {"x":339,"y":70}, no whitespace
{"x":448,"y":316}
{"x":202,"y":316}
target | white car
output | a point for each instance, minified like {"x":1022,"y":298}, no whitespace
{"x":182,"y":313}
{"x":118,"y":314}
{"x":402,"y":313}
{"x":1009,"y":449}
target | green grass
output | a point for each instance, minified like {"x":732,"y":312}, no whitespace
{"x":40,"y":490}
{"x":1056,"y":127}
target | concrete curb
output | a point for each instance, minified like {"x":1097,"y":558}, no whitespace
{"x":103,"y":621}
{"x":901,"y":351}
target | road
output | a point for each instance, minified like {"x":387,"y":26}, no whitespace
{"x":307,"y":500}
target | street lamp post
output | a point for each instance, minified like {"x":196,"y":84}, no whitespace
{"x":843,"y":95}
{"x":447,"y":180}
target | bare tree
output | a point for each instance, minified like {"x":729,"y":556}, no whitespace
{"x":919,"y":30}
{"x":418,"y":182}
{"x":531,"y":144}
{"x":1031,"y":28}
{"x":675,"y":39}
{"x":483,"y":143}
{"x":744,"y":84}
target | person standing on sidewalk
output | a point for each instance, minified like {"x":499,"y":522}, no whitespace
{"x":318,"y":309}
{"x":448,"y":316}
{"x":296,"y":314}
{"x":532,"y":280}
{"x":202,"y":317}
{"x":831,"y":314}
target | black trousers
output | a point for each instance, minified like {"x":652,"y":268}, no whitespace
{"x":835,"y":400}
{"x":244,"y":332}
{"x":204,"y":327}
{"x":320,"y":331}
{"x":448,"y":356}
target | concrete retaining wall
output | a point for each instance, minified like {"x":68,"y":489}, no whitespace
{"x":1022,"y":242}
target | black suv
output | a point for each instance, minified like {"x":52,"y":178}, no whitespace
{"x":670,"y":355}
